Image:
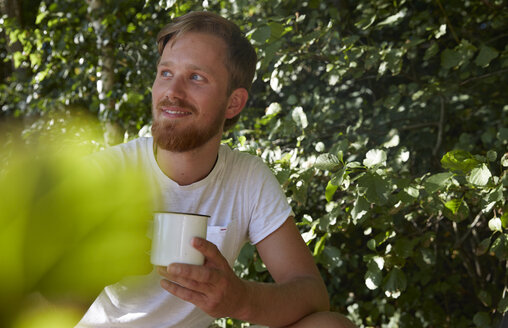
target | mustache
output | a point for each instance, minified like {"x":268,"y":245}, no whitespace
{"x":176,"y":103}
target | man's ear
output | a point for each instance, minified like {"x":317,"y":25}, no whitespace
{"x":236,"y":102}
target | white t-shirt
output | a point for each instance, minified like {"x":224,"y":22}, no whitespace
{"x":244,"y":202}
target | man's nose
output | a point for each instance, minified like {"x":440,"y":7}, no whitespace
{"x":175,"y":88}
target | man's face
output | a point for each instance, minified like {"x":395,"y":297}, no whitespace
{"x":189,"y":94}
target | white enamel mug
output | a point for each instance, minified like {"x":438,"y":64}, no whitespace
{"x":172,"y":236}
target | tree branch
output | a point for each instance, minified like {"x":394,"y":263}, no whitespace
{"x":484,"y":76}
{"x":448,"y":21}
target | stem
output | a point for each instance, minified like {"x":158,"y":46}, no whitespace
{"x":471,"y":226}
{"x":440,"y":127}
{"x":448,"y":21}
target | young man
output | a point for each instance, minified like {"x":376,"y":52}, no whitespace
{"x":205,"y":70}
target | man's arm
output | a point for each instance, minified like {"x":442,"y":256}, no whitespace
{"x":298,"y":289}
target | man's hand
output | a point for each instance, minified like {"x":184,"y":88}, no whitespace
{"x":213,"y":287}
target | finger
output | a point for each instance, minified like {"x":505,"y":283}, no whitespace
{"x":183,"y":293}
{"x":201,"y":274}
{"x":163,"y":271}
{"x":208,"y":249}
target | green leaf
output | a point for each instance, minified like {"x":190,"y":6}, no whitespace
{"x":454,"y":205}
{"x":500,"y":247}
{"x":485,"y":298}
{"x":41,"y":16}
{"x":449,"y":58}
{"x":504,"y":220}
{"x":481,"y":319}
{"x":338,"y":177}
{"x":332,"y":257}
{"x":502,"y":135}
{"x":276,"y":30}
{"x":437,"y":181}
{"x":330,"y":190}
{"x":373,"y":276}
{"x":483,"y":247}
{"x":261,"y":34}
{"x":502,"y":306}
{"x":504,"y":160}
{"x":371,"y":244}
{"x":375,"y":157}
{"x":365,"y":22}
{"x":375,"y":188}
{"x":327,"y":162}
{"x":392,"y":100}
{"x":131,"y":28}
{"x":394,"y":19}
{"x":462,"y":211}
{"x":442,"y":31}
{"x":412,"y":191}
{"x":492,"y":155}
{"x":466,"y":51}
{"x":320,"y":245}
{"x":431,"y":51}
{"x":395,"y":283}
{"x":459,"y":160}
{"x":479,"y":176}
{"x":283,"y":175}
{"x":404,"y":247}
{"x":485,"y":56}
{"x":360,"y":208}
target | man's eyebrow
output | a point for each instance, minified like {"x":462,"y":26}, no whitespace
{"x":168,"y":63}
{"x":163,"y":63}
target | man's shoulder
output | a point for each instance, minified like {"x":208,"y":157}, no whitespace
{"x":236,"y":156}
{"x":243,"y":163}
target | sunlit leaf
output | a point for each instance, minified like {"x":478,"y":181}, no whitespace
{"x":437,"y":181}
{"x":299,"y":117}
{"x":459,"y":160}
{"x":502,"y":307}
{"x":395,"y":283}
{"x":454,"y":205}
{"x":327,"y":162}
{"x":375,"y":157}
{"x":391,"y":20}
{"x":495,"y":224}
{"x":330,"y":191}
{"x":373,"y":276}
{"x":360,"y":208}
{"x":479,"y":176}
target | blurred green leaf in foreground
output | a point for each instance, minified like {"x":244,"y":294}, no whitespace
{"x":68,"y":227}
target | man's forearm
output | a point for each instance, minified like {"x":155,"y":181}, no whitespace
{"x":281,"y":304}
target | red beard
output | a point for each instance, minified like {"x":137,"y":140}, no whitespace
{"x":169,"y":136}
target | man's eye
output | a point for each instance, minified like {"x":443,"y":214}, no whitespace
{"x":165,"y":74}
{"x":196,"y":77}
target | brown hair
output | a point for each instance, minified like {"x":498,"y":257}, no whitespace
{"x":241,"y":58}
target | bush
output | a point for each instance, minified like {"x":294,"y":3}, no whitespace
{"x":384,"y":121}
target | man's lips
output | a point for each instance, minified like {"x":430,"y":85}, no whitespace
{"x":176,"y":111}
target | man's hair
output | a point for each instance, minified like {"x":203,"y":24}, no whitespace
{"x":240,"y":59}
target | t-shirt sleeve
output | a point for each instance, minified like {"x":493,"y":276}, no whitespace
{"x":269,"y":205}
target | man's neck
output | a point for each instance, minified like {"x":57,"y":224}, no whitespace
{"x":188,"y":167}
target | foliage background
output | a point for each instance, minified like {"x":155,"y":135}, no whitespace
{"x":385,"y":121}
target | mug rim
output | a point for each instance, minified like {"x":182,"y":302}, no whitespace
{"x":183,"y":213}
